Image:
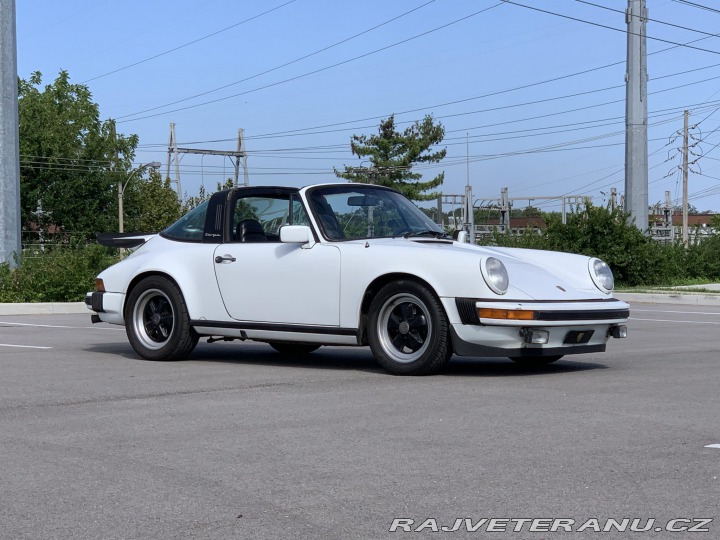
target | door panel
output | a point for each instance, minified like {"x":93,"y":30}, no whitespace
{"x":280,"y":283}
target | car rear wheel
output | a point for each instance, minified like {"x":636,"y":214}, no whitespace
{"x":408,"y":330}
{"x":157,"y":321}
{"x":536,"y":360}
{"x":293,"y":348}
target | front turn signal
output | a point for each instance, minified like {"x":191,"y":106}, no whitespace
{"x":506,"y":314}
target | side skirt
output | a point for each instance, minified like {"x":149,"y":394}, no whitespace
{"x":278,"y":332}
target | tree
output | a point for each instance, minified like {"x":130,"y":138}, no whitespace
{"x":190,"y":202}
{"x":715,"y":222}
{"x":151,"y":205}
{"x":392,"y":155}
{"x":70,"y":161}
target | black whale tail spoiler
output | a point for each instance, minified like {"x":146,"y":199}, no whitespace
{"x":123,"y":240}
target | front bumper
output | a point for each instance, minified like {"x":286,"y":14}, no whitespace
{"x":107,"y":305}
{"x":566,"y":327}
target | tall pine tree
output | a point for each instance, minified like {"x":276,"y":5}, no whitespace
{"x":392,"y":155}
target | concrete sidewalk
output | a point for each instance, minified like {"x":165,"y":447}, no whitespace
{"x":666,"y":296}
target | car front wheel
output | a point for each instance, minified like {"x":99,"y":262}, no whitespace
{"x":408,"y":330}
{"x":157,"y":321}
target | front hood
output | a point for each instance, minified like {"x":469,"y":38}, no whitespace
{"x":534,"y":274}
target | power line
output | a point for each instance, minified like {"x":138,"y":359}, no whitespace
{"x":287,"y":63}
{"x":648,"y":19}
{"x":696,"y":5}
{"x":303,"y":75}
{"x":493,"y":109}
{"x":482,"y":96}
{"x":610,"y":27}
{"x":187,"y":44}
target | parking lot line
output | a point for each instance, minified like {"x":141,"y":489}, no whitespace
{"x":13,"y":323}
{"x":684,"y":312}
{"x":673,"y":321}
{"x":23,"y":346}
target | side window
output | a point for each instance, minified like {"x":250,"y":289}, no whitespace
{"x":189,"y":228}
{"x":259,"y":218}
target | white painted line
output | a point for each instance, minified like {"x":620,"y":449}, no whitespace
{"x":13,"y":323}
{"x":713,"y":446}
{"x":673,"y":321}
{"x":684,"y":312}
{"x":23,"y":346}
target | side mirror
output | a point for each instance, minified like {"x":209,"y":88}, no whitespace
{"x":460,"y":236}
{"x":297,"y":234}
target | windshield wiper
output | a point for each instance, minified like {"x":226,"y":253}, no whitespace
{"x":426,"y":232}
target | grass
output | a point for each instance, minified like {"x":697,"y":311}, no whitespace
{"x":668,"y":290}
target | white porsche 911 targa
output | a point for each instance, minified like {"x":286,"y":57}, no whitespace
{"x":350,"y":264}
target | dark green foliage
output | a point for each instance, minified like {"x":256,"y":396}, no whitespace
{"x":392,"y":155}
{"x":70,"y":161}
{"x":151,"y":205}
{"x":703,"y":259}
{"x":60,"y":273}
{"x":189,"y":202}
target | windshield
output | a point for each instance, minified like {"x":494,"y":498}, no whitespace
{"x":356,"y":212}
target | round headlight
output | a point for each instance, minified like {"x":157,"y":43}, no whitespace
{"x":495,"y":274}
{"x":601,"y":275}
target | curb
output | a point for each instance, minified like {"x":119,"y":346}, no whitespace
{"x":44,"y":308}
{"x":669,"y":298}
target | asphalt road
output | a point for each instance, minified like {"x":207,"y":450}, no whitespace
{"x":239,"y":442}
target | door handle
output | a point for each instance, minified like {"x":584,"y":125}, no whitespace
{"x":225,"y":258}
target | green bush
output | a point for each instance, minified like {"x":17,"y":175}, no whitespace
{"x":703,"y":259}
{"x":57,"y":274}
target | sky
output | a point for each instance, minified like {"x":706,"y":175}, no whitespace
{"x":531,"y":93}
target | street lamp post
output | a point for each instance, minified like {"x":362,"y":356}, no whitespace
{"x":121,"y":191}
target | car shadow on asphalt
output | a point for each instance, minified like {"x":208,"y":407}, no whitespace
{"x":465,"y":366}
{"x":351,"y":358}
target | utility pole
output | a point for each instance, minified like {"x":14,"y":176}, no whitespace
{"x":10,"y":243}
{"x":175,"y":157}
{"x":636,"y":150}
{"x":241,"y":149}
{"x":685,"y":238}
{"x":238,"y":154}
{"x":469,"y":208}
{"x":667,"y":211}
{"x":504,"y":209}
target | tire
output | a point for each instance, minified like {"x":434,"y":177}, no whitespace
{"x":408,"y":330}
{"x":157,"y":321}
{"x":536,"y":360}
{"x":294,"y":349}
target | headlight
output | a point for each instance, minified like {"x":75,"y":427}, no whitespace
{"x":495,"y":275}
{"x":601,"y":275}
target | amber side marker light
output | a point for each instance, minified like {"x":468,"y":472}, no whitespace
{"x":99,"y":285}
{"x":507,"y":314}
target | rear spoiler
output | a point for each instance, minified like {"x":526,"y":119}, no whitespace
{"x":123,"y":240}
